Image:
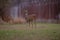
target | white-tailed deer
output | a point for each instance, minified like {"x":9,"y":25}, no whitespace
{"x":31,"y":19}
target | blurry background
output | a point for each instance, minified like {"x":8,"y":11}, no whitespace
{"x":45,"y":10}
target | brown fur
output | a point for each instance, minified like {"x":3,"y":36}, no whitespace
{"x":30,"y":19}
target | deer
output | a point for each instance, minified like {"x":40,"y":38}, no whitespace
{"x":31,"y":19}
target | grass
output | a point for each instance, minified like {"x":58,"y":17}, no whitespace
{"x":47,"y":32}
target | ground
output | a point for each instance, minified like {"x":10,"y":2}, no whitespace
{"x":43,"y":31}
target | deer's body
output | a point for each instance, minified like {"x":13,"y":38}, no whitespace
{"x":31,"y":19}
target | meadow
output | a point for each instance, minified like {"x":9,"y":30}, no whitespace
{"x":43,"y":31}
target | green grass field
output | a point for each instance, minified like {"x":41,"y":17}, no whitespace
{"x":41,"y":32}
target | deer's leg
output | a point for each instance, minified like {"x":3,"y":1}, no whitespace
{"x":29,"y":24}
{"x":32,"y":24}
{"x":35,"y":23}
